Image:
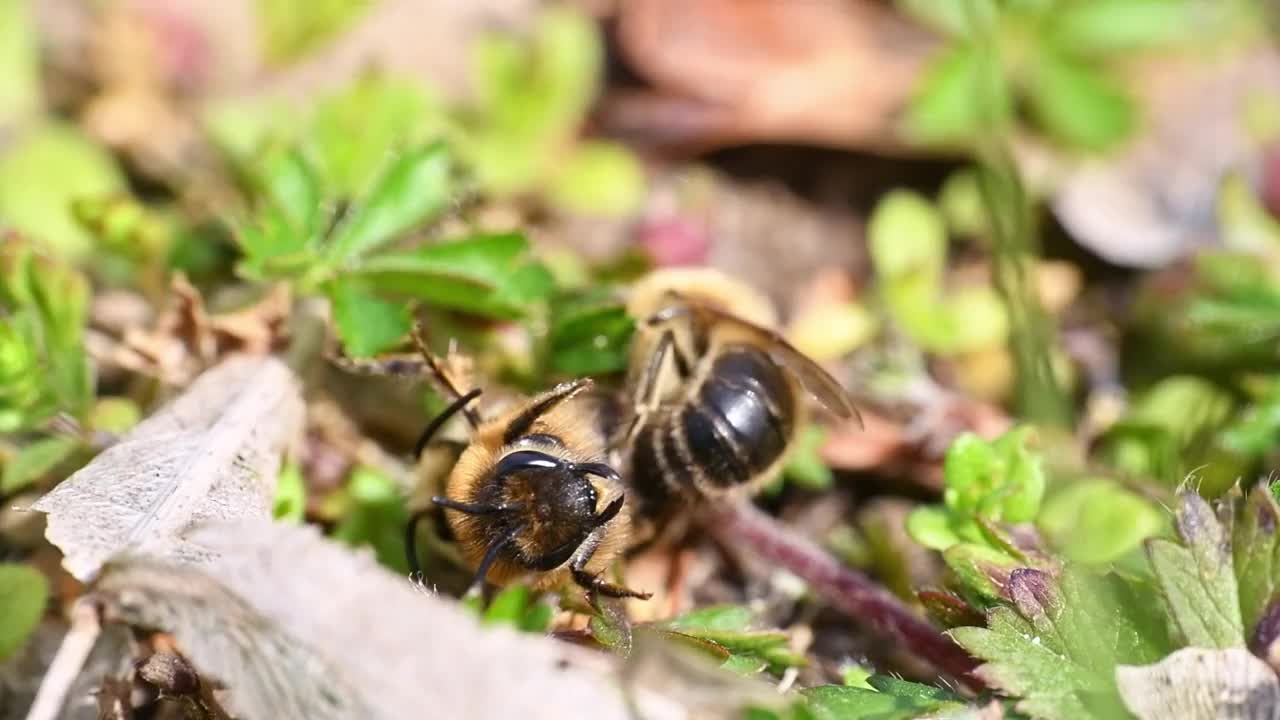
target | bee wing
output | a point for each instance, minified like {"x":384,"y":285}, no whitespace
{"x":817,"y":381}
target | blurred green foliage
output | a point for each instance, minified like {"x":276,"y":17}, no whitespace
{"x":1055,"y":58}
{"x":24,"y":592}
{"x":374,"y":516}
{"x":907,"y":240}
{"x":726,"y":632}
{"x":43,"y":365}
{"x":290,"y":28}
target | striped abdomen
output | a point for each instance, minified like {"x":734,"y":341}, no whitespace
{"x":729,"y":431}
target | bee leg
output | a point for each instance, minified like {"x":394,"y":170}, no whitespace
{"x":594,"y":583}
{"x":646,"y":395}
{"x":491,"y":556}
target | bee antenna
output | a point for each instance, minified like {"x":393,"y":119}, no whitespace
{"x":438,"y":421}
{"x":420,"y":341}
{"x":599,"y":469}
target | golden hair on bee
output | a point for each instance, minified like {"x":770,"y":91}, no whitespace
{"x":717,"y":394}
{"x":532,"y":499}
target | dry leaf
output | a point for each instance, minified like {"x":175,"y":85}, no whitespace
{"x":211,"y":454}
{"x":1200,"y":684}
{"x":297,"y":626}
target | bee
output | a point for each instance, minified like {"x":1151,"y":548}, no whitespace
{"x":717,"y":394}
{"x":531,"y":497}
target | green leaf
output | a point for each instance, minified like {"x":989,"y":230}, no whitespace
{"x":289,"y":183}
{"x":20,"y":93}
{"x":976,"y":318}
{"x":290,"y":504}
{"x":599,"y":178}
{"x":970,"y":472}
{"x":805,"y":466}
{"x":34,"y":461}
{"x":891,"y":699}
{"x":354,"y":132}
{"x":981,"y":569}
{"x":726,"y":626}
{"x":590,"y":334}
{"x":537,"y":617}
{"x":963,"y":94}
{"x":1255,"y":546}
{"x":413,"y":189}
{"x":376,"y":518}
{"x":508,"y":607}
{"x":931,"y":527}
{"x":366,"y":323}
{"x":42,"y":172}
{"x":1077,"y":104}
{"x":1097,"y":521}
{"x":24,"y":592}
{"x":1113,"y":26}
{"x":1197,"y":580}
{"x":906,"y":236}
{"x":484,"y":275}
{"x":289,"y":29}
{"x":114,"y":415}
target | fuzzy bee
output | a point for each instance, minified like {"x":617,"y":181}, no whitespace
{"x":531,"y":497}
{"x":718,"y":397}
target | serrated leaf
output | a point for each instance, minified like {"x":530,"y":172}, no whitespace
{"x":33,"y":461}
{"x":1200,"y":684}
{"x":212,"y":453}
{"x":727,"y":626}
{"x":412,"y":189}
{"x":1077,"y":104}
{"x":1197,"y":580}
{"x":1021,"y":663}
{"x":287,"y":180}
{"x":23,"y":594}
{"x":1255,"y":548}
{"x":366,"y":323}
{"x":716,"y":618}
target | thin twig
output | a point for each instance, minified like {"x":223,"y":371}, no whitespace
{"x":68,"y":662}
{"x":846,"y":589}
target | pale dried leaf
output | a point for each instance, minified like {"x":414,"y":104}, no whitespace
{"x":298,"y":626}
{"x":1200,"y":684}
{"x":212,"y":454}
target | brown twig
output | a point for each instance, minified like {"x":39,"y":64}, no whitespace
{"x":742,"y":525}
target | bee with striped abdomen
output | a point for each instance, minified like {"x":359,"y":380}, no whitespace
{"x":718,"y":396}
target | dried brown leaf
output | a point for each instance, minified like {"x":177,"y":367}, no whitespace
{"x":295,"y":625}
{"x":1200,"y":684}
{"x":212,"y":454}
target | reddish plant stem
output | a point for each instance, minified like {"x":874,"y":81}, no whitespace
{"x":846,"y":589}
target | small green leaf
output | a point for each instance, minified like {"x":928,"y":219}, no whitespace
{"x":969,"y":471}
{"x":959,"y":19}
{"x":1097,"y":521}
{"x":976,"y":318}
{"x":805,"y":466}
{"x":290,"y":504}
{"x":1077,"y":104}
{"x":1110,"y":26}
{"x":599,"y":178}
{"x":537,"y":617}
{"x":590,"y":335}
{"x":289,"y":182}
{"x":353,"y":133}
{"x":1255,"y":548}
{"x":413,"y":189}
{"x":114,"y":415}
{"x":949,"y":105}
{"x":961,"y":204}
{"x":24,"y":591}
{"x":484,"y":275}
{"x":906,"y":236}
{"x":366,"y":323}
{"x":289,"y":30}
{"x":715,"y":618}
{"x":34,"y":461}
{"x":884,"y":698}
{"x":727,"y":627}
{"x":1197,"y":580}
{"x":376,"y":518}
{"x":931,"y":527}
{"x":508,"y":607}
